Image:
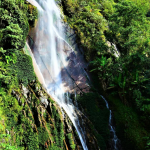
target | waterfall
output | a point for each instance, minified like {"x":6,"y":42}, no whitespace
{"x":51,"y":53}
{"x":116,"y":51}
{"x":112,"y":130}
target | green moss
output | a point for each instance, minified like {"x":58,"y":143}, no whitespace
{"x":71,"y":141}
{"x":24,"y":68}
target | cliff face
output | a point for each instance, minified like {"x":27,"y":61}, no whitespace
{"x":32,"y":120}
{"x":29,"y":118}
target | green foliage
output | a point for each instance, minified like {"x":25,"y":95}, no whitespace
{"x":21,"y":120}
{"x":32,"y":14}
{"x":32,"y":141}
{"x":54,"y":148}
{"x":147,"y":142}
{"x":99,"y":117}
{"x":71,"y":141}
{"x":124,"y":23}
{"x":61,"y":134}
{"x":42,"y":136}
{"x":89,"y":24}
{"x":12,"y":35}
{"x":24,"y":68}
{"x":14,"y":23}
{"x":58,"y":131}
{"x":127,"y":121}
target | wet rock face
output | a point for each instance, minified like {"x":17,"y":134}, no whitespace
{"x":77,"y":66}
{"x":26,"y":92}
{"x":74,"y":68}
{"x":44,"y":101}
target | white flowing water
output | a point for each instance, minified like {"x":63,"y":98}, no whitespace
{"x":116,"y":51}
{"x":51,"y":58}
{"x":33,"y":2}
{"x":112,"y":130}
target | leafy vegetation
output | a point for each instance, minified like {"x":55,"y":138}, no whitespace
{"x":98,"y":114}
{"x":24,"y":122}
{"x":24,"y":68}
{"x":101,"y":26}
{"x":71,"y":141}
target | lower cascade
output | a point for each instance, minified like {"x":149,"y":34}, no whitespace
{"x":115,"y":140}
{"x":57,"y":65}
